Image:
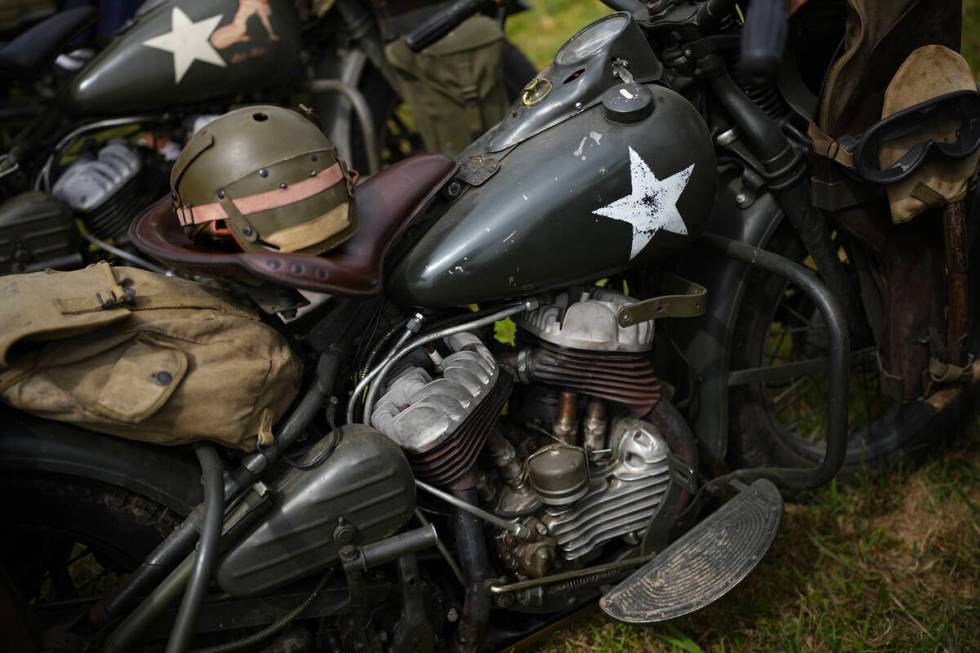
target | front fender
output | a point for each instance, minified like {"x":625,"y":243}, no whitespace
{"x":707,"y":341}
{"x":167,"y":475}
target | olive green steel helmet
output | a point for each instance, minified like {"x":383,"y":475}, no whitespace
{"x":266,"y":177}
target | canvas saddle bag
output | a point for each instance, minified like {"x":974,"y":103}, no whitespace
{"x":142,"y":356}
{"x":455,"y":87}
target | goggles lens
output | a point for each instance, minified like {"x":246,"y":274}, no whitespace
{"x":947,"y":126}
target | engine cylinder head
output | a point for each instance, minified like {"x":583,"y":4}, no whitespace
{"x":588,"y":322}
{"x":109,"y":190}
{"x":623,"y":496}
{"x":442,"y":423}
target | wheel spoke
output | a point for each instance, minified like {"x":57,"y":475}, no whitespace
{"x":802,"y":319}
{"x":81,"y":588}
{"x":78,"y":556}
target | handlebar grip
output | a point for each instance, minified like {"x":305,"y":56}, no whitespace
{"x":442,"y":23}
{"x":763,"y":40}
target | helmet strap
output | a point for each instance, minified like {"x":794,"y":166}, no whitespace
{"x":242,"y":230}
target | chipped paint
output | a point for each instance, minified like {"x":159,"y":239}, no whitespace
{"x":590,"y":140}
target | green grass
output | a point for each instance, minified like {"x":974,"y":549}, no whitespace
{"x":889,"y":564}
{"x":542,"y":30}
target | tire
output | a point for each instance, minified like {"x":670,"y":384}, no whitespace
{"x":763,"y":433}
{"x":55,"y":519}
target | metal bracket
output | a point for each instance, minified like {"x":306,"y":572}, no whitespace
{"x":358,"y":560}
{"x":476,"y":170}
{"x":686,"y":299}
{"x":658,"y":531}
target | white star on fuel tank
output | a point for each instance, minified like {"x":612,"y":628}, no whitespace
{"x":651,"y":204}
{"x":188,"y":41}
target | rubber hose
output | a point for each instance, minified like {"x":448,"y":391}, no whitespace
{"x":471,"y":546}
{"x":207,"y":548}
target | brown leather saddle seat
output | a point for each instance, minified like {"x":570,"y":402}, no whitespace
{"x":387,"y":203}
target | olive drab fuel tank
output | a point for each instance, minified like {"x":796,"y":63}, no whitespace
{"x":187,"y":51}
{"x":596,"y":169}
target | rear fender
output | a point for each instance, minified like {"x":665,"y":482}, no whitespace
{"x":707,"y":341}
{"x":167,"y":475}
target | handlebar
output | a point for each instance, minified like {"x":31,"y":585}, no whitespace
{"x":631,"y":6}
{"x":763,"y":40}
{"x":446,"y":21}
{"x":442,"y":23}
{"x":763,"y":35}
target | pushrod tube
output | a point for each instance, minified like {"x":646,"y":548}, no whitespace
{"x":838,"y":369}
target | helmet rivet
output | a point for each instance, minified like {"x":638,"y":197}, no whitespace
{"x":313,"y":157}
{"x":297,"y":268}
{"x":221,"y":194}
{"x":263,"y":172}
{"x":247,"y":231}
{"x":313,"y":173}
{"x":283,"y":185}
{"x":163,"y":377}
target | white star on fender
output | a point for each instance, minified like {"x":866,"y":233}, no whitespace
{"x":651,"y":204}
{"x":188,"y":41}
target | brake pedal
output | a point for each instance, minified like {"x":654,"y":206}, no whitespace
{"x":705,"y":563}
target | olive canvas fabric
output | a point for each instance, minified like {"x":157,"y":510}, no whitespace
{"x":142,"y":356}
{"x":454,"y":87}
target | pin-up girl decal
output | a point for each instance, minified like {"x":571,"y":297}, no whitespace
{"x":237,"y":30}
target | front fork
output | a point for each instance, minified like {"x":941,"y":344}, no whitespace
{"x":784,"y":170}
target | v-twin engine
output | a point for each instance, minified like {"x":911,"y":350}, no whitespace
{"x":574,"y":459}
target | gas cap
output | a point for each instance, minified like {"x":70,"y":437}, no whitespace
{"x":627,"y":103}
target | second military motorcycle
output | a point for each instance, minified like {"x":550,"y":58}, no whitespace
{"x":584,"y":361}
{"x":87,"y":140}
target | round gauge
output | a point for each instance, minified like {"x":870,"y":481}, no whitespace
{"x":592,"y":39}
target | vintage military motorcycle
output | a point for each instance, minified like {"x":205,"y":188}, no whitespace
{"x":444,"y":484}
{"x":173,"y":67}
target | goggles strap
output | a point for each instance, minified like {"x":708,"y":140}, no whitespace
{"x":928,"y":195}
{"x":828,"y":147}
